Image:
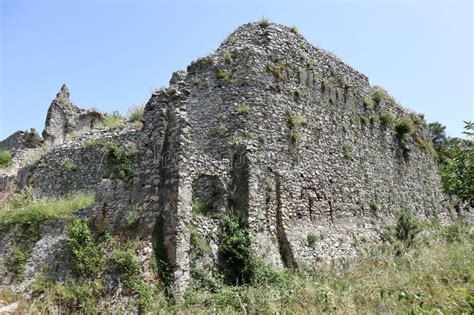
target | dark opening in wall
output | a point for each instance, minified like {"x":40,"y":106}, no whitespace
{"x":208,"y":195}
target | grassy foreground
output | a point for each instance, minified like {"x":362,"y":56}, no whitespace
{"x":434,"y":274}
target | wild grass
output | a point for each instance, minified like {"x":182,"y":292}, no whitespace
{"x":26,"y":210}
{"x":431,"y":273}
{"x":114,"y":120}
{"x":6,"y":158}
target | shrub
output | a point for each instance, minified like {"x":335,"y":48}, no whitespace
{"x":294,"y":29}
{"x":296,"y":120}
{"x":135,"y":114}
{"x":297,"y":94}
{"x":120,"y":160}
{"x":32,"y":139}
{"x":32,"y":213}
{"x":277,"y":70}
{"x":70,"y":165}
{"x":386,"y":118}
{"x":17,"y":262}
{"x":368,"y":103}
{"x":6,"y":158}
{"x":126,"y":262}
{"x":202,"y":208}
{"x":363,"y":120}
{"x":242,"y":108}
{"x":377,"y":96}
{"x":407,"y":227}
{"x":87,"y":258}
{"x":325,"y":85}
{"x":264,"y":22}
{"x":227,"y":56}
{"x":404,"y":127}
{"x":346,"y":150}
{"x":236,"y":251}
{"x":114,"y":120}
{"x":311,"y":238}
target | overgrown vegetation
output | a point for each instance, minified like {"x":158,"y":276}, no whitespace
{"x":264,"y":22}
{"x":201,"y":208}
{"x":30,"y":212}
{"x":135,"y":115}
{"x":456,"y":162}
{"x":404,"y":127}
{"x":32,"y":138}
{"x":6,"y":158}
{"x":120,"y":159}
{"x":113,"y":120}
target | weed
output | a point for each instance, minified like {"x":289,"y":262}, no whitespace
{"x":242,"y":108}
{"x":87,"y":258}
{"x":277,"y":70}
{"x":325,"y":85}
{"x":407,"y":227}
{"x":386,"y":118}
{"x":368,"y":103}
{"x":404,"y":127}
{"x":6,"y":158}
{"x":114,"y":120}
{"x":311,"y":239}
{"x":346,"y":150}
{"x":121,"y":160}
{"x":70,"y":165}
{"x":135,"y":114}
{"x":17,"y":262}
{"x":264,"y":22}
{"x":294,"y":29}
{"x":227,"y":56}
{"x":201,"y":208}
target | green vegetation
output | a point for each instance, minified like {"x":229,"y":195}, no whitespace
{"x":456,"y":162}
{"x":135,"y":115}
{"x":363,"y":120}
{"x":296,"y":120}
{"x":386,"y":118}
{"x":121,"y":160}
{"x":264,"y":22}
{"x":404,"y":127}
{"x":17,"y":261}
{"x":114,"y":120}
{"x":227,"y":56}
{"x":346,"y":151}
{"x":84,"y":250}
{"x":311,"y":239}
{"x":311,"y":64}
{"x":242,"y":108}
{"x":377,"y":96}
{"x":6,"y":158}
{"x":29,"y":213}
{"x":297,"y":94}
{"x":294,"y":29}
{"x":368,"y":103}
{"x":224,"y":75}
{"x":32,"y":139}
{"x":325,"y":85}
{"x":407,"y":228}
{"x":70,"y":165}
{"x":277,"y":69}
{"x":201,"y":208}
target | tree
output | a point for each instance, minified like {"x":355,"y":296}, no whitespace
{"x":457,"y":166}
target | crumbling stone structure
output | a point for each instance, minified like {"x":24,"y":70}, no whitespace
{"x":64,"y":118}
{"x":268,"y":128}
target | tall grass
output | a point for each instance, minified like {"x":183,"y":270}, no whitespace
{"x":26,"y":210}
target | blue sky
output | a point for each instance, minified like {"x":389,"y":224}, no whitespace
{"x":113,"y":54}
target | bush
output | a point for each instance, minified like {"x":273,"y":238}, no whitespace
{"x":135,"y":114}
{"x":407,"y":227}
{"x":17,"y":262}
{"x":6,"y":158}
{"x":404,"y":127}
{"x":114,"y":120}
{"x":202,"y":208}
{"x":264,"y":22}
{"x":32,"y":139}
{"x":87,"y":258}
{"x":368,"y":103}
{"x":31,"y":213}
{"x":386,"y":118}
{"x":121,"y":160}
{"x":126,"y":263}
{"x":377,"y":96}
{"x":227,"y":56}
{"x":294,"y":29}
{"x":311,"y":238}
